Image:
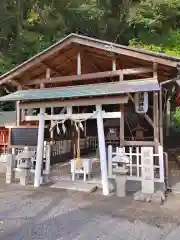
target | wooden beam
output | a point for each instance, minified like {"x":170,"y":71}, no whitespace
{"x":89,"y":76}
{"x":148,"y":119}
{"x":77,"y":102}
{"x":74,"y":116}
{"x":139,"y":143}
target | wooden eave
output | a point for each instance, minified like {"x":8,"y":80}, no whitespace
{"x":96,"y":55}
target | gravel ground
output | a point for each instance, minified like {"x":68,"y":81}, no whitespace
{"x":51,"y":214}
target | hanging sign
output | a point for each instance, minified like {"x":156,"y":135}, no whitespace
{"x":141,"y":102}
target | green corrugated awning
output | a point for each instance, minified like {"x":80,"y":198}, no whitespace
{"x":90,"y":90}
{"x":7,"y":118}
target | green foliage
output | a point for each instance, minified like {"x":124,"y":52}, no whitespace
{"x":156,"y":26}
{"x":169,"y":44}
{"x":175,"y":120}
{"x":27,"y":27}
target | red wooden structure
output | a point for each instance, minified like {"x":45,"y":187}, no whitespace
{"x":4,"y":134}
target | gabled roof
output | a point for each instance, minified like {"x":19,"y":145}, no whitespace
{"x":64,"y":46}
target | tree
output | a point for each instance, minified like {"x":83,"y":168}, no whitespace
{"x":156,"y":26}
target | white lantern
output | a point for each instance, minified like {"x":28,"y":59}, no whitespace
{"x":141,"y":102}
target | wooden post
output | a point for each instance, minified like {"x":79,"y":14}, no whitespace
{"x":48,"y":73}
{"x":18,"y":111}
{"x":161,"y":116}
{"x":18,"y":114}
{"x":114,"y":68}
{"x":122,"y":125}
{"x":102,"y":150}
{"x":155,"y":114}
{"x":114,"y":64}
{"x":168,"y":116}
{"x":40,"y":149}
{"x":79,"y":64}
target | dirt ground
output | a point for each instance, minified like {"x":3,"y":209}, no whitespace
{"x":51,"y":214}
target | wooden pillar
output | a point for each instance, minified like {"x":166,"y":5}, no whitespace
{"x":161,"y":116}
{"x":122,"y":125}
{"x":79,"y":64}
{"x":40,"y":150}
{"x":69,"y":111}
{"x":155,"y":114}
{"x":168,"y":116}
{"x":114,"y":64}
{"x":102,"y":150}
{"x":18,"y":114}
{"x":114,"y":68}
{"x":18,"y":111}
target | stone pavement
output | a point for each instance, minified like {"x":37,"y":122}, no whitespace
{"x":50,"y":214}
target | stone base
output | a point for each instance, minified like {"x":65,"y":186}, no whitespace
{"x":157,"y":197}
{"x":3,"y":167}
{"x":120,"y":185}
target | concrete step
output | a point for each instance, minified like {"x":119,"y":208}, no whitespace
{"x":77,"y":185}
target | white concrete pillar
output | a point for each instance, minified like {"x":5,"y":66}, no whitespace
{"x":52,"y":131}
{"x":10,"y":158}
{"x":102,"y":150}
{"x":110,"y":161}
{"x":40,"y":150}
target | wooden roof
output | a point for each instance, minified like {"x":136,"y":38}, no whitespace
{"x":96,"y":55}
{"x":89,"y":90}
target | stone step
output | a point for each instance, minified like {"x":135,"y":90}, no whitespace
{"x":75,"y":185}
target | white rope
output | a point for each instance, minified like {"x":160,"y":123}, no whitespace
{"x":76,"y":122}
